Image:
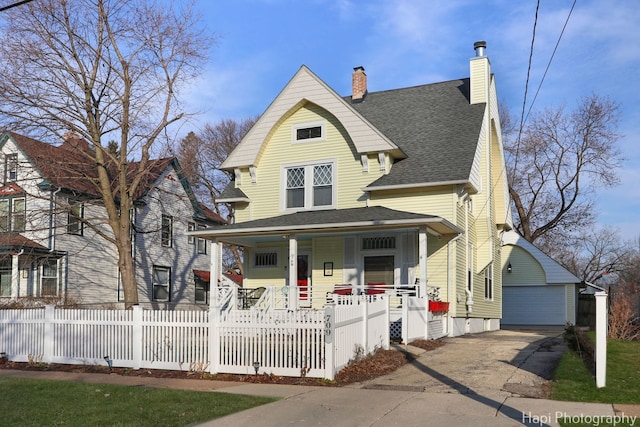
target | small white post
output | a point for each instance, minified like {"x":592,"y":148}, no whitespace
{"x":364,"y":315}
{"x":601,"y":339}
{"x":329,"y":342}
{"x":293,"y":273}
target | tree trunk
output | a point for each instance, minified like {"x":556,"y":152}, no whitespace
{"x":127,"y":273}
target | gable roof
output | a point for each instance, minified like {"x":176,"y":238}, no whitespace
{"x":305,"y":87}
{"x":70,"y":167}
{"x":434,"y":125}
{"x":554,"y":272}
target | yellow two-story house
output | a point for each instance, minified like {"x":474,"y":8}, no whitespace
{"x":396,"y":189}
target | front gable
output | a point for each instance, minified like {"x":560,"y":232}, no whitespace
{"x":306,"y":87}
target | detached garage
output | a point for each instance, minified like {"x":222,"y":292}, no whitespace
{"x":536,"y":290}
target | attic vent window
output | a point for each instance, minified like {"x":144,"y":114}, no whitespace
{"x":308,"y":132}
{"x":380,"y":242}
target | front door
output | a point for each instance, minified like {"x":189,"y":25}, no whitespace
{"x":303,"y":277}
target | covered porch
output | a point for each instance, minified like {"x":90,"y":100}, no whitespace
{"x":307,"y":259}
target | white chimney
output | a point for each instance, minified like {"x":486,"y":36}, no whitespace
{"x":480,"y":74}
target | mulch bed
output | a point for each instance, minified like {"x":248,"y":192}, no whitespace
{"x":380,"y":363}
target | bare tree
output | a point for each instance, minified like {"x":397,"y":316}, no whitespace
{"x":201,"y":157}
{"x":557,"y":162}
{"x":109,"y":72}
{"x":592,"y":252}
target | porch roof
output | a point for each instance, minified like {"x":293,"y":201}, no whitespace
{"x":17,"y":242}
{"x":335,"y":221}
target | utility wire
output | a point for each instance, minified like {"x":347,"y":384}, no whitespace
{"x":550,"y":59}
{"x":3,"y":8}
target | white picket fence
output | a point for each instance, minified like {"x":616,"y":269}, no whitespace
{"x":306,"y":342}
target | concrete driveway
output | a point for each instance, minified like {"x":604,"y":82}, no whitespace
{"x":502,"y":363}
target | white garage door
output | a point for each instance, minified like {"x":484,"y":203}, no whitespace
{"x":533,"y":305}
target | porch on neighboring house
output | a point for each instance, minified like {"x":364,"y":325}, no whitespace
{"x":28,"y":269}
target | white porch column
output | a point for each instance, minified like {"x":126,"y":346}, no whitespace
{"x":422,"y":260}
{"x":293,"y":272}
{"x":215,"y":269}
{"x":15,"y":275}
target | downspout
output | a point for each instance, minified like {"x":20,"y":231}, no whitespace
{"x":449,"y":279}
{"x":52,"y":234}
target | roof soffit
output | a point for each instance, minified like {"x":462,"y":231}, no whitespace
{"x":304,"y":87}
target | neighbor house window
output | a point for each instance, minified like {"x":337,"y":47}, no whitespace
{"x":12,"y":214}
{"x":5,"y":279}
{"x":74,"y":217}
{"x":265,"y":259}
{"x":11,"y":167}
{"x":309,"y":186}
{"x":488,"y":282}
{"x":167,"y":230}
{"x":202,"y":243}
{"x":202,"y":291}
{"x":307,"y":132}
{"x":161,"y":283}
{"x":191,"y":226}
{"x":49,"y":279}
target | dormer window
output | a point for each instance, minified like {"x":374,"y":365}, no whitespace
{"x":307,"y":132}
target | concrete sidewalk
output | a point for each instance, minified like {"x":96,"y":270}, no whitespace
{"x":352,"y":406}
{"x":486,"y":379}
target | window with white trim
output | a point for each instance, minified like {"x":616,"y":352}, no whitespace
{"x":488,"y":282}
{"x":161,"y":283}
{"x":74,"y":217}
{"x":309,"y":186}
{"x":191,"y":226}
{"x":308,"y":132}
{"x":49,"y":279}
{"x":11,"y":167}
{"x":202,"y":291}
{"x":202,"y":243}
{"x":166,"y":232}
{"x":12,"y":214}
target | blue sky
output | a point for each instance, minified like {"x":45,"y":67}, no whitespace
{"x":262,"y":43}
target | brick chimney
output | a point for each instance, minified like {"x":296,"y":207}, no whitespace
{"x":358,"y":84}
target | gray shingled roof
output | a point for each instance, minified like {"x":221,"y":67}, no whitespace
{"x":231,"y":192}
{"x":374,"y":216}
{"x":433,"y":124}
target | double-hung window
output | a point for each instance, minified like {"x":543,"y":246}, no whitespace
{"x":161,"y":283}
{"x":309,"y":186}
{"x":49,"y":279}
{"x":74,"y":217}
{"x":202,"y":243}
{"x":11,"y":167}
{"x":166,"y":232}
{"x":12,"y":214}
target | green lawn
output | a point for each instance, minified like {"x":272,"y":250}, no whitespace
{"x":48,"y":403}
{"x":574,"y":382}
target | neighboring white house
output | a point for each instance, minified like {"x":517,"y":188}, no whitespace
{"x":536,"y":290}
{"x":47,"y":249}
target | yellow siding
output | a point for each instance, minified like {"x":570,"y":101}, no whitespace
{"x":327,"y":249}
{"x":280,"y":149}
{"x":525,"y":268}
{"x":438,"y":201}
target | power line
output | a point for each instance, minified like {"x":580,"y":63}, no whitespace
{"x":3,"y":8}
{"x":551,"y":59}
